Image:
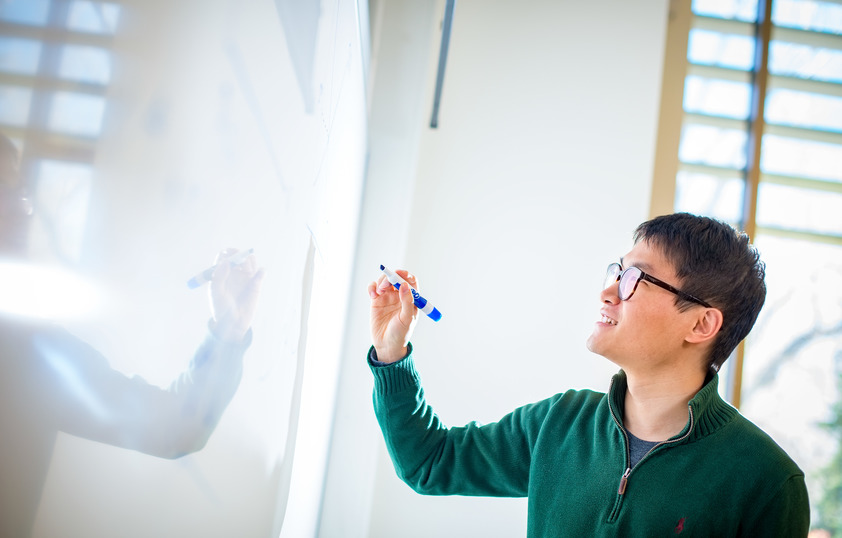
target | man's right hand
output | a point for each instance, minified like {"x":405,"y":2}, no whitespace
{"x":393,"y":317}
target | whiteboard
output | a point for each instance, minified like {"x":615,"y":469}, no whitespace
{"x":226,"y":123}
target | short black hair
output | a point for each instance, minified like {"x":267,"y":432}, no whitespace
{"x":715,"y":262}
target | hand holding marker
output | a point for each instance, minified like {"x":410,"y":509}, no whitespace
{"x":205,"y":276}
{"x":419,"y":301}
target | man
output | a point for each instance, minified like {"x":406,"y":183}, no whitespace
{"x":661,"y":453}
{"x":51,"y":381}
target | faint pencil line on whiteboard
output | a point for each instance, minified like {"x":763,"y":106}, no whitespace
{"x":244,"y":82}
{"x":333,"y":103}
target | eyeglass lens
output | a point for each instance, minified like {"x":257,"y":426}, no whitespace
{"x":628,"y":279}
{"x":611,"y":275}
{"x":628,"y":282}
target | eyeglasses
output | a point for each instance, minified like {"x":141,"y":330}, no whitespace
{"x":630,"y":277}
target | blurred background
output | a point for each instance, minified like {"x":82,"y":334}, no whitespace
{"x":153,"y":134}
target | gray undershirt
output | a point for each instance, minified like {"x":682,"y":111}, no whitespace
{"x":638,"y":448}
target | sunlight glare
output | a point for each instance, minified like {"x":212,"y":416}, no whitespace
{"x":45,"y":292}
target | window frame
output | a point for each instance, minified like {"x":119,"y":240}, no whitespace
{"x":672,"y":118}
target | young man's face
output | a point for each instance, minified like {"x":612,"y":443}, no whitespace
{"x":646,"y":331}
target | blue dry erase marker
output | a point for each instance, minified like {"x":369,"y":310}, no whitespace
{"x":419,"y":301}
{"x":205,"y":276}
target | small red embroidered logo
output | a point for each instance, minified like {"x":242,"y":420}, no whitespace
{"x":680,"y":527}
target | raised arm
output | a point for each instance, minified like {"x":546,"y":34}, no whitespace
{"x":93,"y":401}
{"x":429,"y":456}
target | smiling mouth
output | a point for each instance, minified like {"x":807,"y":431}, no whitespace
{"x":609,"y":321}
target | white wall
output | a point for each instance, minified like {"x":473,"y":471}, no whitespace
{"x":538,"y":172}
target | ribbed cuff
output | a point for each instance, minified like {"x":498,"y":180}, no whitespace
{"x":396,"y":376}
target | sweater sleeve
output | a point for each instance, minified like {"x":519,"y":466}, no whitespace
{"x":433,"y":459}
{"x":787,"y":514}
{"x":93,"y":401}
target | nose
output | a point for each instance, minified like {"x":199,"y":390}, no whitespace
{"x":610,"y":295}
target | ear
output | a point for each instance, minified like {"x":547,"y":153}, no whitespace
{"x":707,"y":326}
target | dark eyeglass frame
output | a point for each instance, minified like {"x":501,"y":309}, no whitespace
{"x":617,"y":269}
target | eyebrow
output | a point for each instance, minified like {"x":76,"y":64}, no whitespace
{"x":645,"y":267}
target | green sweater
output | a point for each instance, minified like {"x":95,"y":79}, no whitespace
{"x":721,"y":476}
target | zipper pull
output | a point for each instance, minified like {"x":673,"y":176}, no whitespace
{"x":624,"y":481}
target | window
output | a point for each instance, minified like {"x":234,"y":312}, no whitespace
{"x":760,"y":146}
{"x":55,"y":68}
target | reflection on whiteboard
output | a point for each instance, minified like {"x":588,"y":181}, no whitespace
{"x":300,"y":21}
{"x":231,"y":124}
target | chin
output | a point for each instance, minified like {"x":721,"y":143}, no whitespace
{"x":592,"y":344}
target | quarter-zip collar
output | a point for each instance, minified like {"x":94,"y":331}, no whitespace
{"x":709,"y":411}
{"x":706,"y":413}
